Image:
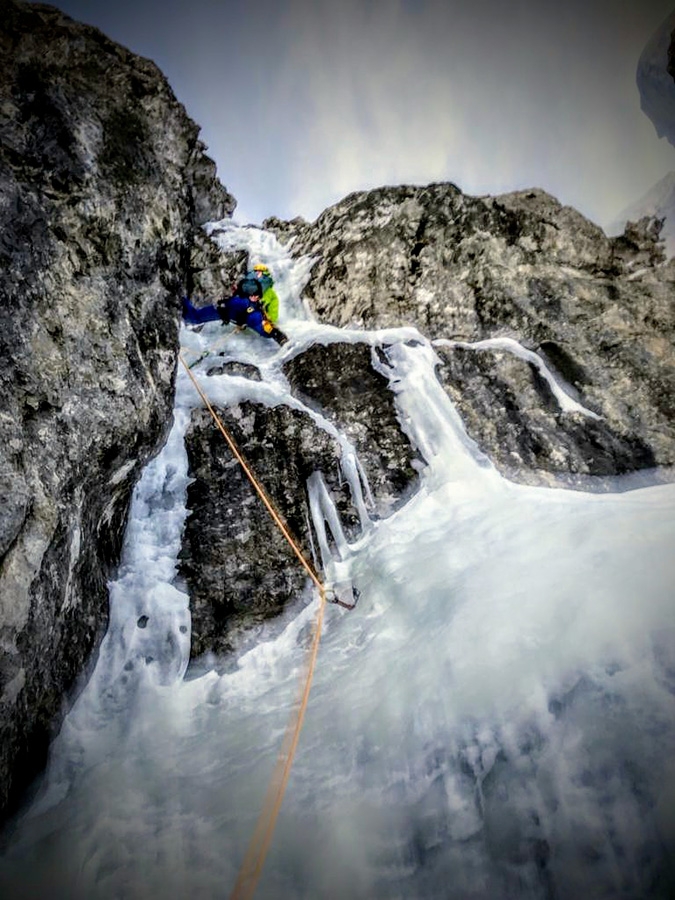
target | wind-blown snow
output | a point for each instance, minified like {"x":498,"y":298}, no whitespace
{"x":495,"y":719}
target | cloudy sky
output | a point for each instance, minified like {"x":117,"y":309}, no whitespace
{"x":302,"y":102}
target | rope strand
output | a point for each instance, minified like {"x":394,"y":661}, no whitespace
{"x":256,"y":484}
{"x":254,"y":859}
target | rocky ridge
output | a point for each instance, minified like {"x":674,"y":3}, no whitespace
{"x":598,"y":311}
{"x":103,"y":186}
{"x":658,"y":204}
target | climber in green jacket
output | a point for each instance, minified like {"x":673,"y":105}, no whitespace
{"x":269,"y":300}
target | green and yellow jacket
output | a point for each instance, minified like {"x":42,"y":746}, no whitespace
{"x":270,"y":303}
{"x":269,"y":299}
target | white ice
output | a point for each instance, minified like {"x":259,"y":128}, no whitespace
{"x":559,"y":391}
{"x":495,"y":719}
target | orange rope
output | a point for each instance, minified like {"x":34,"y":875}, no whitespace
{"x":251,"y":867}
{"x":256,"y":484}
{"x":254,"y":859}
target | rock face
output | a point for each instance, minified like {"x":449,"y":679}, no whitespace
{"x":658,"y":204}
{"x":598,"y":311}
{"x":238,"y":567}
{"x":348,"y":384}
{"x":103,"y":184}
{"x":237,"y":564}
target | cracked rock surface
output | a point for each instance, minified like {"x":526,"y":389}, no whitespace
{"x":598,"y":311}
{"x":237,"y":565}
{"x":103,"y":186}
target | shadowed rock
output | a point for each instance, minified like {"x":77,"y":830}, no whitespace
{"x":238,"y":567}
{"x":237,"y":564}
{"x":341,"y":381}
{"x":104,"y":184}
{"x":507,"y":405}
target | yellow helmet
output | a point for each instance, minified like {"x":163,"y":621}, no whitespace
{"x":259,"y":267}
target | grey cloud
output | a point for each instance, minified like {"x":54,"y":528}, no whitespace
{"x":302,"y":102}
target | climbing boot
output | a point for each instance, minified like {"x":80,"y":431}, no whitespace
{"x":278,"y":336}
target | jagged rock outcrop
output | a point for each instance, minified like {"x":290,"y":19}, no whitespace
{"x":237,"y":564}
{"x":213,"y":272}
{"x":238,"y":567}
{"x":348,"y":384}
{"x":103,"y":184}
{"x":509,"y":408}
{"x":600,"y":311}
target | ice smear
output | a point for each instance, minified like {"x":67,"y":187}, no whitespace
{"x":566,"y":403}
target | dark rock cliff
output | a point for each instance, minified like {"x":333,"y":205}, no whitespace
{"x":103,"y":184}
{"x":599,"y":312}
{"x":238,"y":567}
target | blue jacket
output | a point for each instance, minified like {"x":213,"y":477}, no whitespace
{"x":240,"y":310}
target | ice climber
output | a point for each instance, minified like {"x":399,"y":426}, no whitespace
{"x":245,"y":308}
{"x":269,"y":299}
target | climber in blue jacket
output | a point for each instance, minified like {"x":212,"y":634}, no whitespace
{"x":244,"y":309}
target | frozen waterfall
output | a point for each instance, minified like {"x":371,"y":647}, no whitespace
{"x":496,"y":719}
